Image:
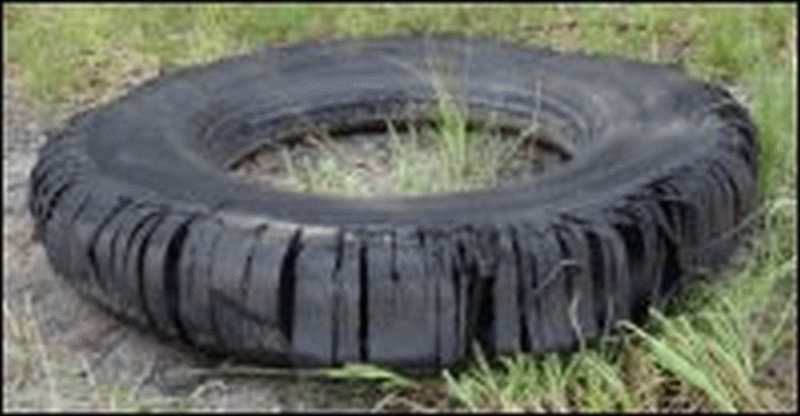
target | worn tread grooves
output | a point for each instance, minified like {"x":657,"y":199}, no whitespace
{"x":50,"y":199}
{"x":286,"y":286}
{"x":128,"y":247}
{"x":363,"y":325}
{"x":211,"y":319}
{"x":566,"y":252}
{"x":484,"y":318}
{"x":456,"y":279}
{"x":53,"y":217}
{"x":598,"y":264}
{"x":148,"y":230}
{"x":524,"y":338}
{"x":535,"y":318}
{"x":615,"y":275}
{"x":57,"y":248}
{"x":635,"y":240}
{"x":437,"y":301}
{"x":171,"y":286}
{"x":53,"y":167}
{"x":336,"y":298}
{"x":669,"y":277}
{"x":735,"y":192}
{"x":123,"y":249}
{"x":479,"y":302}
{"x":395,"y":276}
{"x":91,"y":252}
{"x":110,"y":246}
{"x":582,"y":291}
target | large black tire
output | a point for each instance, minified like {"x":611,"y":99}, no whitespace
{"x":137,"y":210}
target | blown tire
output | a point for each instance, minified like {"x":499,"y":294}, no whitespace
{"x":137,"y":210}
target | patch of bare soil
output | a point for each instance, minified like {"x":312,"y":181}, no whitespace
{"x":780,"y":376}
{"x":61,"y":352}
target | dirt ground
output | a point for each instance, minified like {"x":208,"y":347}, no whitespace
{"x":62,"y":353}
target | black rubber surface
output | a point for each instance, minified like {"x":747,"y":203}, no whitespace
{"x":136,"y":207}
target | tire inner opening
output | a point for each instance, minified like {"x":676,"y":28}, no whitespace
{"x":412,"y":154}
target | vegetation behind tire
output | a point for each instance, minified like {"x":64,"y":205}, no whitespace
{"x":136,"y":209}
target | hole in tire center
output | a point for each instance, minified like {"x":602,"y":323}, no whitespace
{"x":411,"y":156}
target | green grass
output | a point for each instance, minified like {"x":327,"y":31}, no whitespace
{"x":420,"y":159}
{"x":705,"y":352}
